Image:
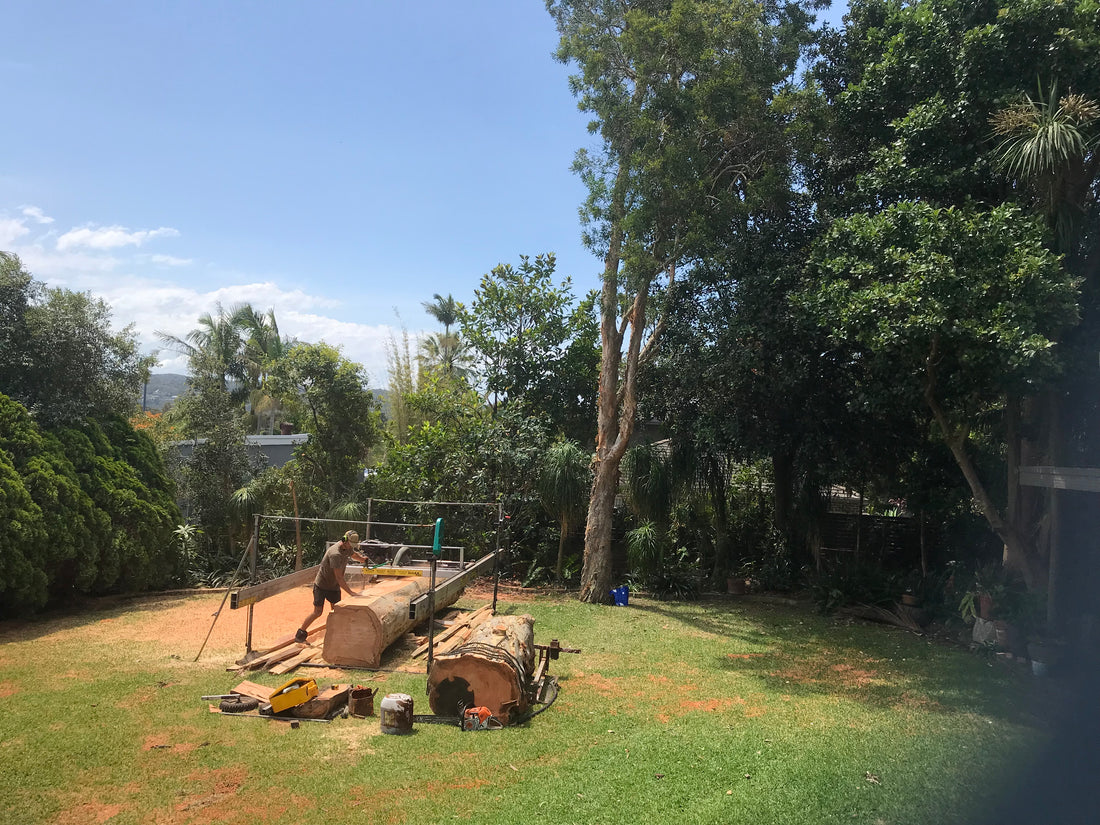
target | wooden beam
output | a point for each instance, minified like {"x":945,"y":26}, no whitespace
{"x":418,"y":607}
{"x":1085,"y":479}
{"x":257,"y":592}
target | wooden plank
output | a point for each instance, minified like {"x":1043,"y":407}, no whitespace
{"x":275,"y":656}
{"x":1084,"y":479}
{"x":469,"y":620}
{"x":288,"y":665}
{"x":259,"y":692}
{"x":324,"y":703}
{"x":257,"y":592}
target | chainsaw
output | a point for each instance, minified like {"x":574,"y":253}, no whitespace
{"x":471,"y":719}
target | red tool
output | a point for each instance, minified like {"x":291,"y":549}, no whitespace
{"x":480,"y":719}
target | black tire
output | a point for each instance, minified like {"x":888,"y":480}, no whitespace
{"x":240,"y":704}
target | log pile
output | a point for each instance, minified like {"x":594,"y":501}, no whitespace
{"x":492,"y":669}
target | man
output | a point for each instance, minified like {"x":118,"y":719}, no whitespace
{"x":330,"y":578}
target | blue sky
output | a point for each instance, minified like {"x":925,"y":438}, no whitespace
{"x":338,"y":161}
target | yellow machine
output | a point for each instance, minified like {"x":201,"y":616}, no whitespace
{"x":293,"y":693}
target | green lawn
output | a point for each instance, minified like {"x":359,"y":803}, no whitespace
{"x":716,"y":712}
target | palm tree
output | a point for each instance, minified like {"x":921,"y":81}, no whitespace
{"x":263,"y":347}
{"x":448,"y":354}
{"x":1046,"y":144}
{"x":444,"y":310}
{"x":214,"y":347}
{"x":564,"y":480}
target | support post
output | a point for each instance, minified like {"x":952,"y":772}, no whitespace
{"x":370,"y":505}
{"x":496,"y":563}
{"x":297,"y":529}
{"x":253,"y":546}
{"x":437,"y":550}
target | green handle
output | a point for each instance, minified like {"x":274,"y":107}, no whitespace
{"x":437,"y":543}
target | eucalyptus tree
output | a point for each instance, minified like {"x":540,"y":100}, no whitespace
{"x":678,"y":90}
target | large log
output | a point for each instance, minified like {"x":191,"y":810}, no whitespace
{"x":492,"y":669}
{"x":360,"y":628}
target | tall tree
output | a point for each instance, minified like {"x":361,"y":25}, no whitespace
{"x":678,"y":90}
{"x":61,"y":358}
{"x":334,"y":405}
{"x":215,"y":346}
{"x":948,"y":308}
{"x":445,"y":310}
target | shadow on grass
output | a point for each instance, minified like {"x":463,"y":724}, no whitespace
{"x":795,"y":651}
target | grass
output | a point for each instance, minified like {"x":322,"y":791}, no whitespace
{"x":713,"y":712}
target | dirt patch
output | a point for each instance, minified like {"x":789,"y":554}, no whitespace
{"x":823,"y":669}
{"x":8,"y":689}
{"x":89,"y":812}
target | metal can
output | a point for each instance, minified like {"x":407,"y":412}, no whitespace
{"x":396,"y":713}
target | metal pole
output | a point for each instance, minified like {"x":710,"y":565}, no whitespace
{"x":225,"y":598}
{"x":496,"y":562}
{"x":252,"y":547}
{"x":431,"y":620}
{"x":370,"y":506}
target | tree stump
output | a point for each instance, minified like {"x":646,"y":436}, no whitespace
{"x":360,"y":628}
{"x":492,"y":669}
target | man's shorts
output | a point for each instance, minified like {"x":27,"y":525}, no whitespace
{"x":320,"y":595}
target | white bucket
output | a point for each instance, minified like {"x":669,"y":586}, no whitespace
{"x":396,"y":713}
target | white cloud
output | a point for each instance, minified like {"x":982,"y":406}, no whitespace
{"x":36,"y":214}
{"x":111,"y":237}
{"x":11,"y":229}
{"x":169,"y":260}
{"x":142,"y":289}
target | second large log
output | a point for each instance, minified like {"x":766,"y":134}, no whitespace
{"x":360,"y":628}
{"x":492,"y":669}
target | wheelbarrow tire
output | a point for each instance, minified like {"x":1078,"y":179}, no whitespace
{"x":239,"y":704}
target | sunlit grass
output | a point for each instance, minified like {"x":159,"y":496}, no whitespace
{"x":722,"y":711}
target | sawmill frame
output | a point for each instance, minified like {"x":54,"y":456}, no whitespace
{"x":419,"y":608}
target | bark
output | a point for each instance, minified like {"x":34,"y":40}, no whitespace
{"x":1017,"y":553}
{"x":596,"y":573}
{"x":360,"y":628}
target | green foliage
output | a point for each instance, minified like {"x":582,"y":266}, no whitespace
{"x":328,"y":396}
{"x":951,"y":306}
{"x":648,"y":483}
{"x":533,"y":344}
{"x":90,"y":510}
{"x":851,"y":584}
{"x":62,"y":360}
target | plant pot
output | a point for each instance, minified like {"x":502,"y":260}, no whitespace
{"x":985,"y":606}
{"x":1009,"y":638}
{"x":736,"y":586}
{"x":1044,"y":656}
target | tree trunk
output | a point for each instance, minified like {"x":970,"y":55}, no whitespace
{"x":596,"y":575}
{"x":360,"y":628}
{"x":492,"y":669}
{"x":561,"y":548}
{"x":1016,"y":548}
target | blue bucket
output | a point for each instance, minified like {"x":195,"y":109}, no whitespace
{"x":621,"y":595}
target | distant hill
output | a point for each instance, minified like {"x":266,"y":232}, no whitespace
{"x":165,"y":387}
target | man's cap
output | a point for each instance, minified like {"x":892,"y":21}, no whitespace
{"x":351,"y":536}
